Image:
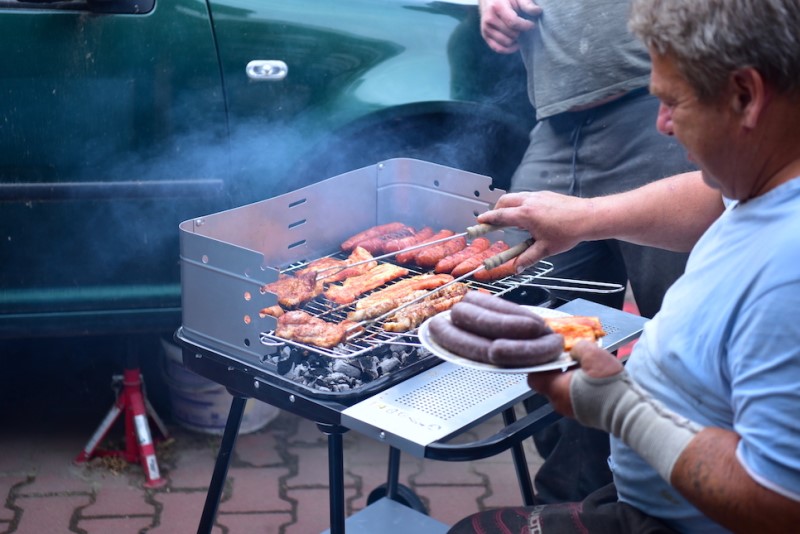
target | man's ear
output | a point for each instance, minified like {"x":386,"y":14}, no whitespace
{"x":749,"y":95}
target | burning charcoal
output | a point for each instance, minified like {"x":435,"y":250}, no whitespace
{"x":340,"y":366}
{"x":337,"y":377}
{"x":284,"y":354}
{"x":388,"y":365}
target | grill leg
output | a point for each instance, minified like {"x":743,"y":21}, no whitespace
{"x":221,"y":466}
{"x":393,"y":475}
{"x":520,"y":462}
{"x":335,"y":475}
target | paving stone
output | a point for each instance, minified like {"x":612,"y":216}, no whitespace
{"x":48,"y":514}
{"x":258,"y":450}
{"x":269,"y":523}
{"x":180,"y":512}
{"x":313,"y":510}
{"x":306,"y":433}
{"x":192,"y":469}
{"x":6,"y":485}
{"x":312,"y":469}
{"x":255,"y":490}
{"x":118,"y":500}
{"x":502,"y":483}
{"x":118,"y":525}
{"x":434,"y":472}
{"x":49,"y":483}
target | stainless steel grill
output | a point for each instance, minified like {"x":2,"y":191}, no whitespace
{"x":227,"y":258}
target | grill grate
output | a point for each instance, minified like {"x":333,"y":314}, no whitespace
{"x":374,"y":335}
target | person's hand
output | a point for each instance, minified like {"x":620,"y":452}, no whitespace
{"x":554,"y":385}
{"x":554,"y":221}
{"x":503,"y":20}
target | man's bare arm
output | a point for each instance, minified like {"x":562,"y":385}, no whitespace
{"x":710,"y":476}
{"x":671,"y":213}
{"x":700,"y":463}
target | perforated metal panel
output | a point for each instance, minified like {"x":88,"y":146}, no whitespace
{"x":447,"y":399}
{"x":434,"y":405}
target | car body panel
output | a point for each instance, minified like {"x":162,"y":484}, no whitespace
{"x":116,"y":126}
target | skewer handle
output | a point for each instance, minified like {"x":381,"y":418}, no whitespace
{"x":481,"y":229}
{"x":513,"y":252}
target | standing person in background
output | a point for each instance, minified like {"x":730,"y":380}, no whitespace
{"x":587,"y":81}
{"x":704,"y":415}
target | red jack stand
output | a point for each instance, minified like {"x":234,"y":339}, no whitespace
{"x":138,"y":440}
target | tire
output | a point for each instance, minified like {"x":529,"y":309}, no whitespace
{"x":405,"y":496}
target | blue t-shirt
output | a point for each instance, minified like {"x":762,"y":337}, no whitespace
{"x":724,"y":351}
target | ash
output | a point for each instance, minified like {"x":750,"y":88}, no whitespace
{"x":334,"y":375}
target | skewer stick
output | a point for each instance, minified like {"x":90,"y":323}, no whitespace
{"x":472,"y":232}
{"x":488,"y":264}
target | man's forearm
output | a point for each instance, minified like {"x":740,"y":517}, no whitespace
{"x":700,"y":463}
{"x":671,"y":213}
{"x":710,"y":476}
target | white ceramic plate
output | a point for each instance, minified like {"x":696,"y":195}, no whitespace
{"x":562,"y":362}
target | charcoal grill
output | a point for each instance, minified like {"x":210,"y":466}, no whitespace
{"x":226,"y":260}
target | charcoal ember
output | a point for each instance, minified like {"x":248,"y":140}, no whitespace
{"x":341,"y":366}
{"x":388,"y":365}
{"x":337,"y":377}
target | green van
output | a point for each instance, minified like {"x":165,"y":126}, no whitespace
{"x":121,"y":118}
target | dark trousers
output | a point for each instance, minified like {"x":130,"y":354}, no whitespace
{"x":599,"y":513}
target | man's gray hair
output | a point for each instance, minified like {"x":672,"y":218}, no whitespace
{"x":709,"y":39}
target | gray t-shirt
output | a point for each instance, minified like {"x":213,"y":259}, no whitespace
{"x":580,"y":53}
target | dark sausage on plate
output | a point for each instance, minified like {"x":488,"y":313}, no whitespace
{"x":493,"y":324}
{"x":526,"y":352}
{"x":459,"y":342}
{"x":488,"y":329}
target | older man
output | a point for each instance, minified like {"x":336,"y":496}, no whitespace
{"x":704,"y":418}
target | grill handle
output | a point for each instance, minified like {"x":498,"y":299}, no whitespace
{"x":504,"y":439}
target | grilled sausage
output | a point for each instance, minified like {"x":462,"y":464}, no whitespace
{"x":526,"y":352}
{"x":409,"y":257}
{"x":393,"y":245}
{"x":497,"y":304}
{"x":459,"y":342}
{"x":377,"y":245}
{"x":475,"y":261}
{"x":448,"y":263}
{"x":350,"y":243}
{"x":502,"y":271}
{"x":493,"y":324}
{"x":430,"y":256}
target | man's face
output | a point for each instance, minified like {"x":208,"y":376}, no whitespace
{"x":704,"y":129}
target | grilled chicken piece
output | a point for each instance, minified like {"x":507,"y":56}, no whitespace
{"x":275,"y":311}
{"x":380,"y":307}
{"x":354,"y":286}
{"x":414,"y":315}
{"x":301,"y":327}
{"x":294,"y":291}
{"x":331,"y":275}
{"x":399,"y":293}
{"x":576,"y":327}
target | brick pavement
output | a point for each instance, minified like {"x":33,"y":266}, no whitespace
{"x":277,"y":483}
